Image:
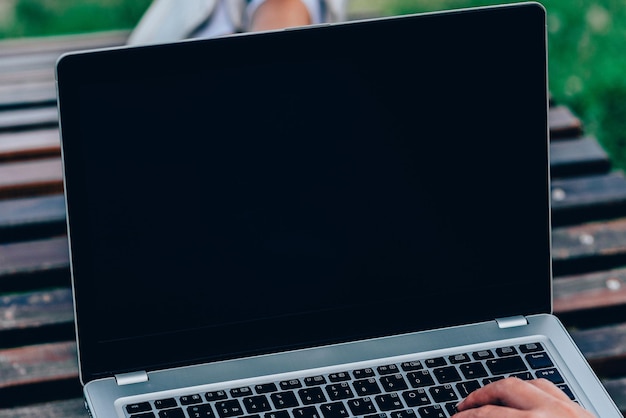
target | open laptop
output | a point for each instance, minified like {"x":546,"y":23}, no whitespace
{"x":322,"y":222}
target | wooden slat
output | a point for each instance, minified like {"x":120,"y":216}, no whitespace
{"x":39,"y":363}
{"x":577,"y":157}
{"x":563,"y":123}
{"x":29,"y":144}
{"x":27,"y":95}
{"x":71,"y":408}
{"x":31,"y":177}
{"x":30,"y":118}
{"x":604,"y":348}
{"x":583,"y":199}
{"x":31,"y":218}
{"x":32,"y":257}
{"x":589,"y":247}
{"x":59,"y":44}
{"x":34,"y":310}
{"x":617,"y":390}
{"x":590,"y":291}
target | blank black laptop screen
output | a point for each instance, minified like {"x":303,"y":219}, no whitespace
{"x":248,"y":194}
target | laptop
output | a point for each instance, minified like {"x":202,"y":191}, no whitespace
{"x":334,"y":221}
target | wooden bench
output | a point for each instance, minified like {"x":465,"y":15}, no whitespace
{"x":38,"y":367}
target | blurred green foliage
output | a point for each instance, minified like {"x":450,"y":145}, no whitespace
{"x":587,"y":61}
{"x":22,"y":18}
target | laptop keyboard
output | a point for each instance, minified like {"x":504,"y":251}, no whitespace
{"x":421,"y":388}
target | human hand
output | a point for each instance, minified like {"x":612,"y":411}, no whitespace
{"x":516,"y":398}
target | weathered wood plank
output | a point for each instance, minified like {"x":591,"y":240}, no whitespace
{"x":29,"y":118}
{"x":604,"y":348}
{"x":29,"y":144}
{"x":26,"y":178}
{"x":577,"y":157}
{"x":30,"y":94}
{"x":33,"y":310}
{"x":46,"y":44}
{"x":589,"y":247}
{"x":589,"y":291}
{"x":584,"y":199}
{"x":38,"y":363}
{"x":563,"y":123}
{"x":71,"y":408}
{"x":32,"y":218}
{"x":617,"y":389}
{"x":34,"y":264}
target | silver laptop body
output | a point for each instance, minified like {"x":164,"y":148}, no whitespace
{"x":325,"y":222}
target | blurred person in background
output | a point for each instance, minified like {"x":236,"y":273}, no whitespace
{"x":173,"y":20}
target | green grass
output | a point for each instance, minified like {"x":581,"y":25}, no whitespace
{"x":53,"y":17}
{"x":587,"y":61}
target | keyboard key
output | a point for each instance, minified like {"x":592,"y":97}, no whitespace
{"x":417,"y":397}
{"x":334,"y":410}
{"x":277,"y":414}
{"x":190,"y":399}
{"x":366,"y":387}
{"x":339,"y":391}
{"x":311,"y":395}
{"x":240,"y":392}
{"x":433,"y":411}
{"x":459,"y":358}
{"x":138,"y":407}
{"x":361,"y":406}
{"x":506,"y":351}
{"x":388,"y":369}
{"x":552,"y":375}
{"x":144,"y":415}
{"x":389,"y":402}
{"x":215,"y":396}
{"x":491,"y":380}
{"x":393,"y":383}
{"x":314,"y":380}
{"x":200,"y":411}
{"x":229,"y":408}
{"x":379,"y":415}
{"x":283,"y":400}
{"x":405,"y":413}
{"x":442,"y":394}
{"x":482,"y":355}
{"x":411,"y":366}
{"x":265,"y":388}
{"x":172,"y":413}
{"x":256,"y":404}
{"x":363,"y":373}
{"x":447,"y":374}
{"x":473,"y":370}
{"x":465,"y":388}
{"x":339,"y":377}
{"x":451,"y":408}
{"x":539,"y":360}
{"x":506,"y":365}
{"x":567,"y":391}
{"x":165,"y":403}
{"x":290,"y":384}
{"x":436,"y":362}
{"x":530,"y":348}
{"x":523,"y":376}
{"x":306,"y":412}
{"x":420,"y":379}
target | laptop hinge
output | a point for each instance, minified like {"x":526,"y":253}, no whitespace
{"x":512,"y":321}
{"x":124,"y":379}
